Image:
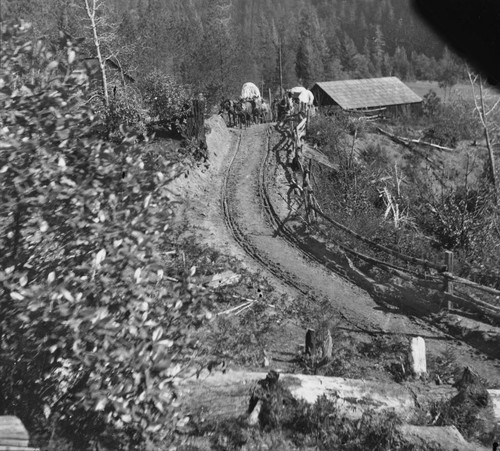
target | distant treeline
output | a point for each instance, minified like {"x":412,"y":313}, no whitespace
{"x":216,"y":45}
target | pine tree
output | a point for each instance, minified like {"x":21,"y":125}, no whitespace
{"x":401,"y":64}
{"x":448,"y":71}
{"x":348,"y":53}
{"x":312,"y":50}
{"x":334,"y":70}
{"x":377,"y":52}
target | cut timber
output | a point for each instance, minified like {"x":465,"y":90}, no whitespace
{"x":226,"y":395}
{"x":408,"y":141}
{"x":17,"y":448}
{"x":13,"y":442}
{"x":316,"y":155}
{"x":11,"y":428}
{"x":13,"y":434}
{"x":224,"y":278}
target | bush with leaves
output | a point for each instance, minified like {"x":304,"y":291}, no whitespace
{"x":169,"y":102}
{"x":91,"y":333}
{"x":324,"y":427}
{"x":329,"y":132}
{"x":452,"y":123}
{"x":126,"y":110}
{"x":431,"y":104}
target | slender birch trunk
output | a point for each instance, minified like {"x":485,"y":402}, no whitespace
{"x":91,"y":8}
{"x":489,"y":145}
{"x":483,"y":117}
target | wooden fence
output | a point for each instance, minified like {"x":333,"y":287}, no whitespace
{"x":443,"y":272}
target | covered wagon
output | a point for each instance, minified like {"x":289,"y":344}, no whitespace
{"x":250,"y":92}
{"x":297,"y":91}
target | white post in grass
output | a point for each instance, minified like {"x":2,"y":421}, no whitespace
{"x":417,"y":358}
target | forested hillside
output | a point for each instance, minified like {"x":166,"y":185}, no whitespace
{"x":215,"y":45}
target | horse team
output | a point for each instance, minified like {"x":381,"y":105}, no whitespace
{"x":245,"y":112}
{"x":250,"y":108}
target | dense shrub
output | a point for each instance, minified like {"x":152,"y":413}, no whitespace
{"x":126,"y":111}
{"x":329,"y":132}
{"x":431,"y":104}
{"x":169,"y":102}
{"x":91,"y":333}
{"x":376,"y":157}
{"x":324,"y":427}
{"x":458,"y":219}
{"x":452,"y":123}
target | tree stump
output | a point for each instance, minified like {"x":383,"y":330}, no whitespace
{"x":195,"y":124}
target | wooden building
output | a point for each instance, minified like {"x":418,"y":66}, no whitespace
{"x":386,"y":95}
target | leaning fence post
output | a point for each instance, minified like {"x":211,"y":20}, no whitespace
{"x":448,"y":284}
{"x":310,"y":348}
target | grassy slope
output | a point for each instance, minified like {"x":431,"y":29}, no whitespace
{"x":460,"y":90}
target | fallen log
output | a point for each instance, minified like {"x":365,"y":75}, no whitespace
{"x":407,"y":141}
{"x":226,"y":395}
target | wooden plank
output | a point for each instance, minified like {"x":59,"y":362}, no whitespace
{"x":12,"y":433}
{"x":11,"y":427}
{"x":14,"y":442}
{"x":16,"y":448}
{"x":10,"y":420}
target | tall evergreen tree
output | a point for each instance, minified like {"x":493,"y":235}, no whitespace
{"x":312,"y":51}
{"x":217,"y":50}
{"x":348,"y":54}
{"x":377,"y":50}
{"x":401,"y":64}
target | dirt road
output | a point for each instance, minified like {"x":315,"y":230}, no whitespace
{"x":240,"y":175}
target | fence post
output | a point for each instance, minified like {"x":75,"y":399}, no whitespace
{"x":310,"y":348}
{"x":417,"y":356}
{"x":448,"y":284}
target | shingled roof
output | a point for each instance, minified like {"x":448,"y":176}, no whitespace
{"x":365,"y":93}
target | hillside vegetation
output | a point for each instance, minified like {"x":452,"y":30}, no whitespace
{"x":216,"y":45}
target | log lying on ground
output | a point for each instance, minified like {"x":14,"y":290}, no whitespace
{"x":408,"y":141}
{"x":227,"y":395}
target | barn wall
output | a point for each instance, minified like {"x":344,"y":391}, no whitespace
{"x":321,"y":98}
{"x":405,"y":110}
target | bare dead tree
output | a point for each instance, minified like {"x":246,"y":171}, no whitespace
{"x":91,"y":7}
{"x":485,"y":114}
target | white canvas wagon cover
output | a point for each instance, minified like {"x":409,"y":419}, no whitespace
{"x":297,"y":91}
{"x":250,"y":91}
{"x":306,"y":97}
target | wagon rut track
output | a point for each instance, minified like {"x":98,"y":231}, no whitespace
{"x":255,"y":225}
{"x":230,"y":219}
